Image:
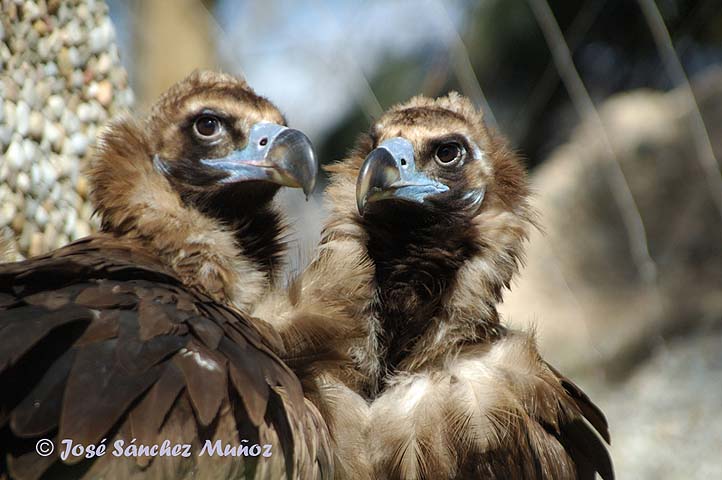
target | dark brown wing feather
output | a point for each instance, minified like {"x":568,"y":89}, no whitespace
{"x":590,"y":411}
{"x":558,"y":434}
{"x":535,"y":448}
{"x":580,"y":432}
{"x":100,"y":341}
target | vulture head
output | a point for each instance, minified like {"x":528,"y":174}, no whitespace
{"x":436,"y":160}
{"x":213,"y":142}
{"x":427,"y":160}
{"x":442,"y":203}
{"x":225,"y":149}
{"x":198,"y":175}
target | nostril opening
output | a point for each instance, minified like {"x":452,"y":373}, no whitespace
{"x":263,"y":141}
{"x":403,"y":162}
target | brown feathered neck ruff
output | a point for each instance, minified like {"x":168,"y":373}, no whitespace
{"x":232,"y":256}
{"x":440,"y":269}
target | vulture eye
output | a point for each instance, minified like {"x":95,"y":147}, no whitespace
{"x":448,"y":153}
{"x":207,"y":126}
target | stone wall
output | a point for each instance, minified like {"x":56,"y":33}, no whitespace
{"x":60,"y":81}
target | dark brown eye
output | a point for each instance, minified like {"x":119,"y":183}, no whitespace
{"x":207,"y":126}
{"x":448,"y":153}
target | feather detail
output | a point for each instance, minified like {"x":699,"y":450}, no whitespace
{"x":112,"y":337}
{"x":448,"y":391}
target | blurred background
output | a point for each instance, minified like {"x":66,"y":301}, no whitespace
{"x":616,"y":105}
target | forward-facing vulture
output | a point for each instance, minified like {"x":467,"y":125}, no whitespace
{"x":428,"y":218}
{"x":142,"y":333}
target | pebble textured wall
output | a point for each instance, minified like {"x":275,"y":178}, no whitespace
{"x":60,"y":81}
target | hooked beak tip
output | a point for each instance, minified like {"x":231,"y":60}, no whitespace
{"x":361,"y":204}
{"x":378,"y":173}
{"x":293,"y":155}
{"x":309,"y":187}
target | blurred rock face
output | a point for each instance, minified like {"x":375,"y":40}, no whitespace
{"x":665,"y":420}
{"x":581,"y":286}
{"x":647,"y":351}
{"x":60,"y":81}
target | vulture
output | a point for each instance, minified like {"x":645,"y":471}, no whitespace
{"x":132,"y":353}
{"x":394,"y":328}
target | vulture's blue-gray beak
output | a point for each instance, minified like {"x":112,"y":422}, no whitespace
{"x":389,"y":172}
{"x":273,"y":153}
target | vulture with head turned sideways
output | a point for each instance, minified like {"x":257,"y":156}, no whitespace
{"x":142,"y":333}
{"x":428,"y":217}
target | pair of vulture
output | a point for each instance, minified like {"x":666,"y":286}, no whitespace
{"x":169,"y":340}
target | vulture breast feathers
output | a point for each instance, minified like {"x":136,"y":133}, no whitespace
{"x":427,"y":220}
{"x":141,"y":334}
